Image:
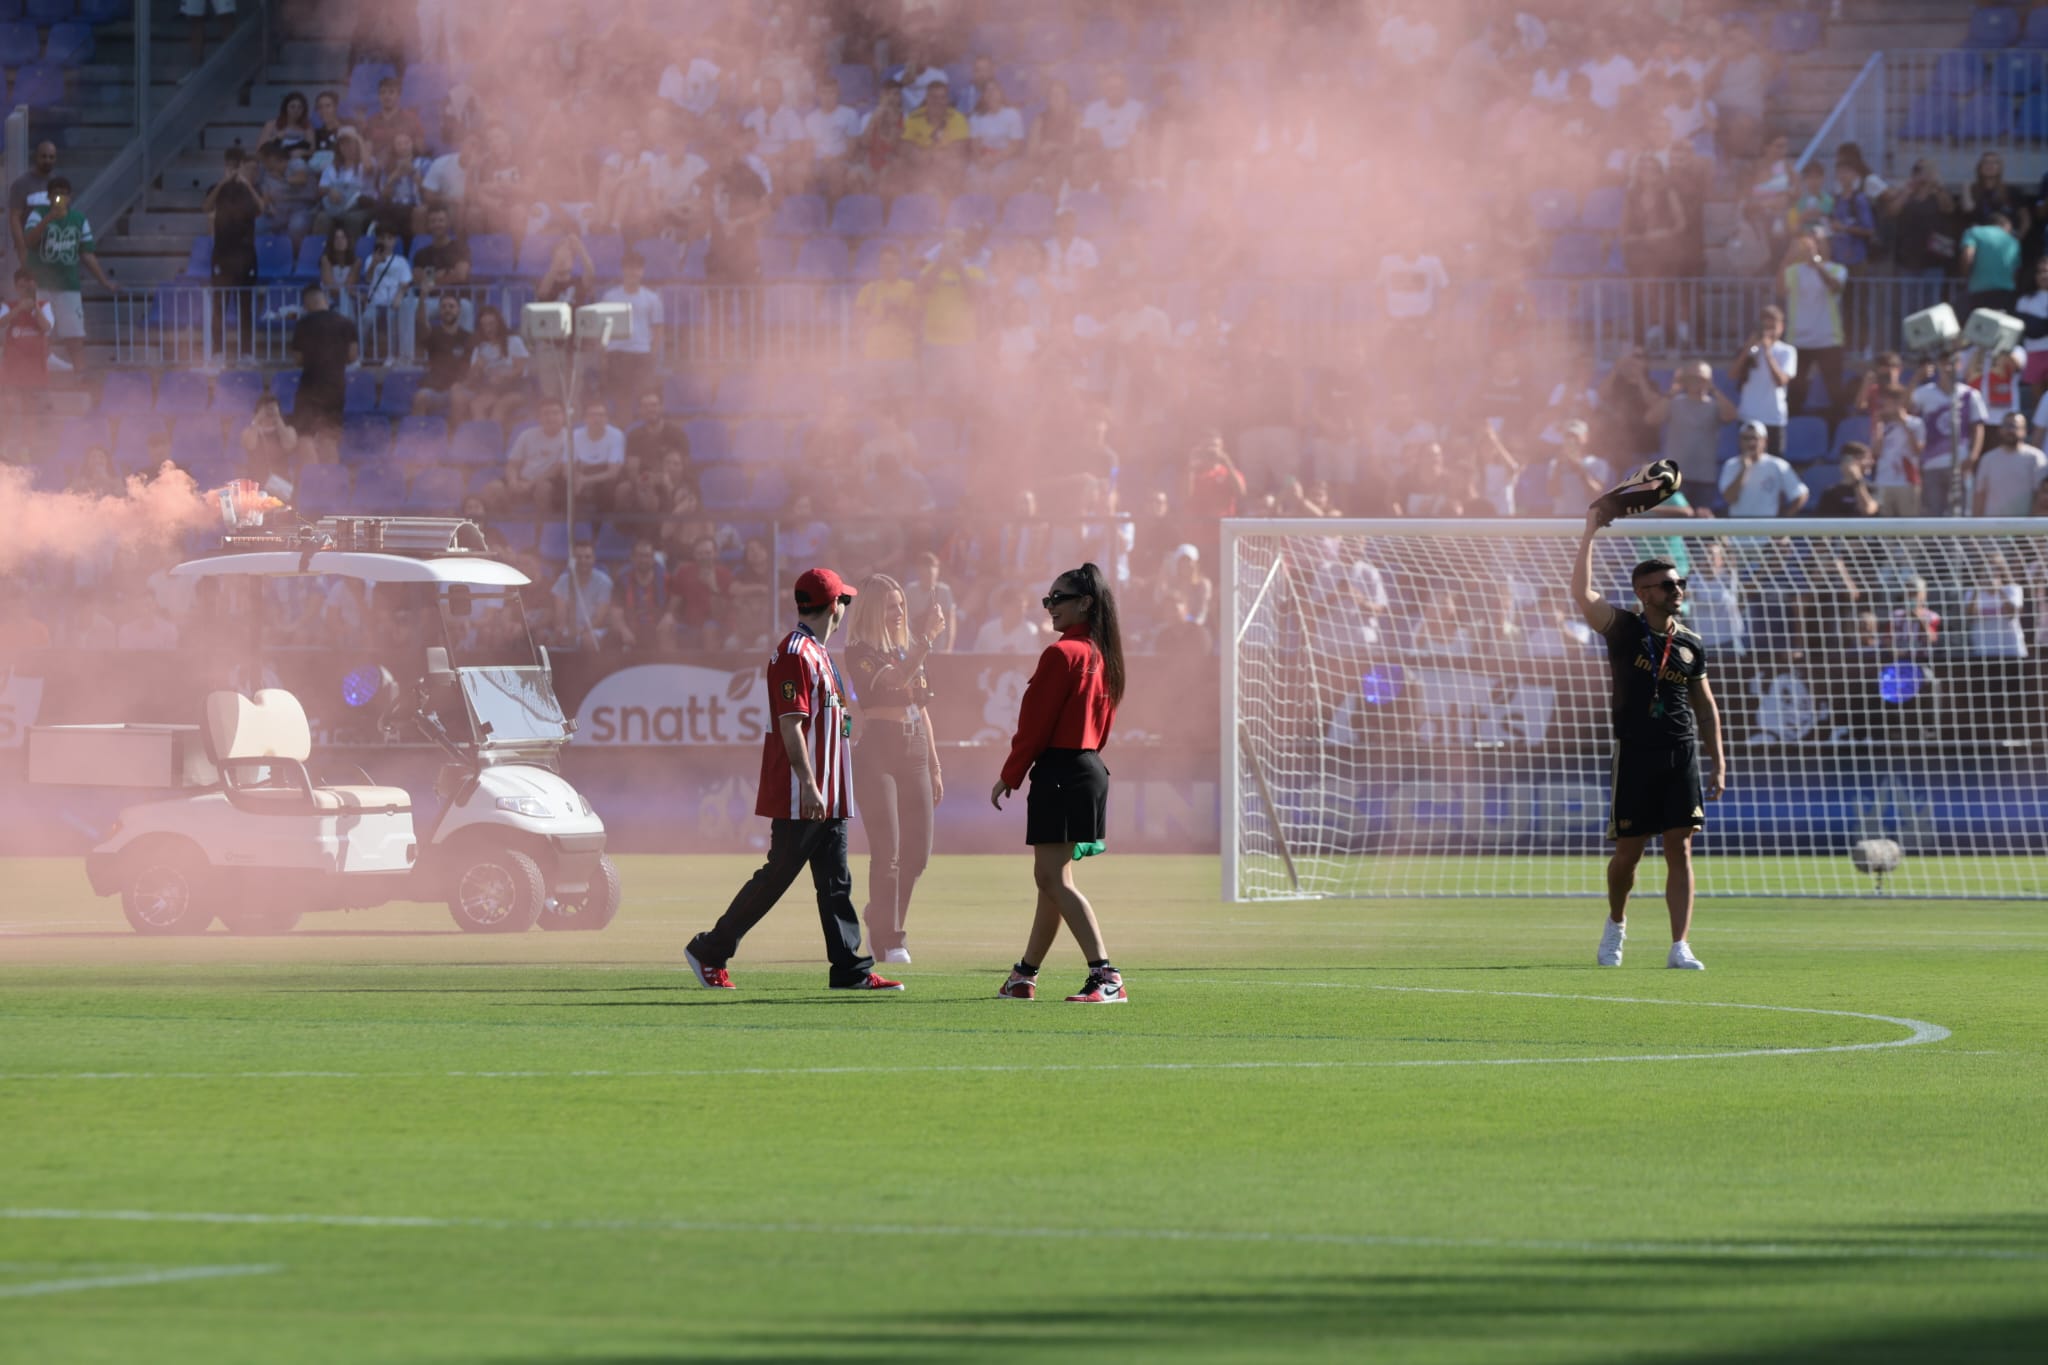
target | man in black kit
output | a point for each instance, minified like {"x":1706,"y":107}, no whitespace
{"x":1660,"y":686}
{"x":325,"y":344}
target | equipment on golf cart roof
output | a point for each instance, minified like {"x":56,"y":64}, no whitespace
{"x":375,"y":549}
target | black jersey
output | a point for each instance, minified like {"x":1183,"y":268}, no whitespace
{"x":1653,"y":675}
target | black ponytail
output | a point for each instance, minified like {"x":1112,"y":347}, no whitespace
{"x":1102,"y":624}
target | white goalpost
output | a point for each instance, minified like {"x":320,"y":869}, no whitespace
{"x":1415,"y":709}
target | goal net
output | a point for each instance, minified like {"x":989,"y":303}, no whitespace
{"x":1415,"y":708}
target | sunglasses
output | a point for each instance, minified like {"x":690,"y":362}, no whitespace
{"x":1668,"y":583}
{"x":1053,"y":599}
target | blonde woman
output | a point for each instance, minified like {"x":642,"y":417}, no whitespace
{"x":896,"y":783}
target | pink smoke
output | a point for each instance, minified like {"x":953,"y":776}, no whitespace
{"x":149,"y":514}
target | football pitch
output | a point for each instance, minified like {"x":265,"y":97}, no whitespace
{"x":1385,"y":1130}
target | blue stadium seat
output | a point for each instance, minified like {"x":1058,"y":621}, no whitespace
{"x":518,"y":535}
{"x":663,"y":258}
{"x":127,"y":393}
{"x":307,"y":266}
{"x":491,"y":256}
{"x":182,"y":394}
{"x":915,"y":215}
{"x":284,"y":386}
{"x":759,"y":442}
{"x":800,"y":215}
{"x":778,"y":257}
{"x":379,"y":489}
{"x":34,"y":85}
{"x":1993,"y":26}
{"x":724,"y":487}
{"x":1928,"y":117}
{"x":365,"y":438}
{"x":613,"y":546}
{"x":1819,"y":480}
{"x":2030,"y":122}
{"x":360,"y":394}
{"x":607,"y":252}
{"x":1026,"y":215}
{"x":426,"y":89}
{"x":1955,"y":73}
{"x":104,"y":11}
{"x":1806,"y":439}
{"x":396,"y":398}
{"x":273,"y":257}
{"x":709,"y":443}
{"x":971,"y":211}
{"x":2035,"y":34}
{"x":823,"y":258}
{"x":362,"y":85}
{"x":1575,"y":254}
{"x":69,"y":44}
{"x":857,"y":215}
{"x":689,"y":391}
{"x":199,"y":264}
{"x":478,"y":443}
{"x":1984,"y":116}
{"x":235,"y":393}
{"x":1554,"y":210}
{"x":534,"y":252}
{"x":323,"y":488}
{"x":1602,"y":210}
{"x":421,"y":441}
{"x":435,"y":491}
{"x":480,"y":481}
{"x":20,"y":44}
{"x":1849,"y":429}
{"x":555,"y":540}
{"x":2016,"y":72}
{"x":1795,"y":31}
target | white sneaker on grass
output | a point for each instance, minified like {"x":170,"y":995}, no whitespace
{"x":1682,"y":958}
{"x":897,"y":957}
{"x":1611,"y":936}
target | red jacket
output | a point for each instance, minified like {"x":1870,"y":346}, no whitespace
{"x":1066,"y":705}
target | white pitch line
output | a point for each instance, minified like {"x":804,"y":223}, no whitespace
{"x":1720,"y":1250}
{"x":173,"y":1275}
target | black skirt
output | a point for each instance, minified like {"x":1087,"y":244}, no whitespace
{"x":1069,"y":792}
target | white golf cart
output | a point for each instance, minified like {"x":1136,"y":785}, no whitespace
{"x":253,"y":838}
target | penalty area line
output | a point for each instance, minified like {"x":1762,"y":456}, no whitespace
{"x":1704,"y":1249}
{"x":177,"y":1274}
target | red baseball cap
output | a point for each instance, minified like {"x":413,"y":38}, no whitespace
{"x":819,"y":588}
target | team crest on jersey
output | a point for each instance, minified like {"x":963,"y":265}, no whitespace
{"x":789,"y":691}
{"x":1684,"y":654}
{"x":1626,"y":823}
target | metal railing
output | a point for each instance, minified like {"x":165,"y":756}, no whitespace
{"x":1996,"y":100}
{"x":1860,"y":117}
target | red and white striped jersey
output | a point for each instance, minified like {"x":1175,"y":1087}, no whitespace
{"x":802,"y":680}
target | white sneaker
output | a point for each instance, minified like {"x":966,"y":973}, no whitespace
{"x":1611,"y":936}
{"x":897,"y":957}
{"x":1682,"y":958}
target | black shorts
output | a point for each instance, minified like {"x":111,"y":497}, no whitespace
{"x":1654,"y":790}
{"x":1069,"y":791}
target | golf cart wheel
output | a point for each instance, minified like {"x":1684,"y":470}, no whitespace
{"x":166,"y":889}
{"x":260,"y":922}
{"x":592,"y":910}
{"x":496,"y":891}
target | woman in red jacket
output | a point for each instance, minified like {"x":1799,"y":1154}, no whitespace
{"x":1062,"y":723}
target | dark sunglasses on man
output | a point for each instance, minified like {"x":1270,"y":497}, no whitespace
{"x":1668,"y":584}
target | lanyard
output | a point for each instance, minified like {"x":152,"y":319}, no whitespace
{"x":1657,"y":680}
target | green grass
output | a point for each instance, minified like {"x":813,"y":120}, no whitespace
{"x":1295,"y":1143}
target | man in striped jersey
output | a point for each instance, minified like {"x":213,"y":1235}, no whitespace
{"x":807,"y":795}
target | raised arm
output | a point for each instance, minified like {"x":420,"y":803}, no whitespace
{"x":1591,"y":604}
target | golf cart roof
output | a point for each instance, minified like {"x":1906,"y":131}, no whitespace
{"x":371,"y":568}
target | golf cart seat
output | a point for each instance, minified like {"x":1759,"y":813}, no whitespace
{"x":261,"y":745}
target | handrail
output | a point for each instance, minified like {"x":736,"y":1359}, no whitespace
{"x":127,"y":177}
{"x":1874,"y":67}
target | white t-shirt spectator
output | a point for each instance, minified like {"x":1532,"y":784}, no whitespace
{"x":535,"y":454}
{"x":832,"y":131}
{"x":385,"y":280}
{"x":695,"y":87}
{"x":445,"y":177}
{"x":2008,"y":478}
{"x":1763,"y":398}
{"x":1004,"y":128}
{"x":1688,"y":119}
{"x":675,"y":178}
{"x":647,"y":318}
{"x":996,"y":638}
{"x":1116,"y":125}
{"x":606,"y":451}
{"x":1995,"y":622}
{"x":1942,"y":414}
{"x":774,"y":132}
{"x":1770,"y":486}
{"x":1067,"y":266}
{"x":1895,"y":448}
{"x":1409,"y":284}
{"x":1814,"y":312}
{"x":1610,"y":78}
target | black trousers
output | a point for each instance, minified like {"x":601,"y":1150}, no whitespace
{"x":1826,"y":361}
{"x":793,"y":844}
{"x":892,"y":783}
{"x":235,"y":271}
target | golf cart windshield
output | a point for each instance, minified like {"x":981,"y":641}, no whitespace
{"x":513,"y":706}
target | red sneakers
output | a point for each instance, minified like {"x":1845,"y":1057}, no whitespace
{"x":1018,"y":987}
{"x":712,"y":977}
{"x":1101,"y":988}
{"x":873,"y":983}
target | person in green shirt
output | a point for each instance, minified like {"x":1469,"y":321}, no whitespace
{"x":59,"y":242}
{"x":1991,"y":261}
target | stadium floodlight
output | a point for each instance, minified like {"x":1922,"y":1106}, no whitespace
{"x":1414,"y":708}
